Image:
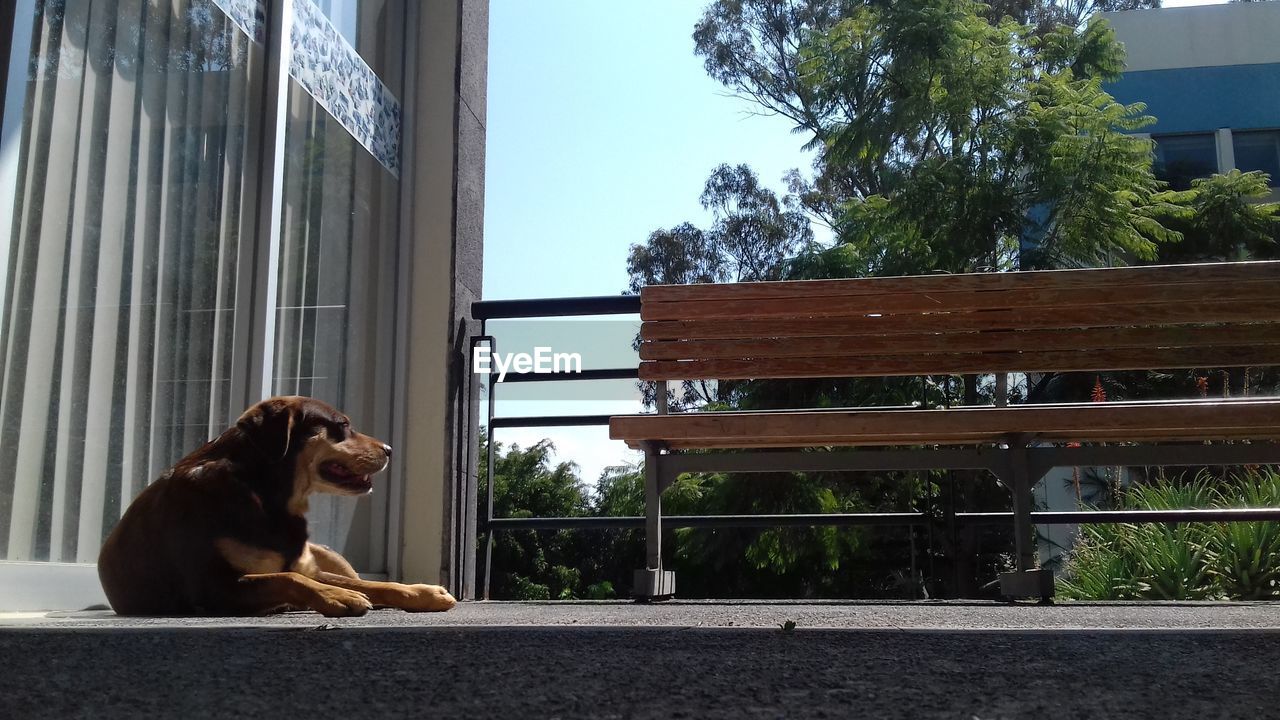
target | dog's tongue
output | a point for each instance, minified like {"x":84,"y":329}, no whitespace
{"x":339,"y":470}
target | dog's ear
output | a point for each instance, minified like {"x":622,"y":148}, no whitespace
{"x":269,"y":425}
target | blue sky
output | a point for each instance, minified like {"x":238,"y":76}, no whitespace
{"x":602,"y":127}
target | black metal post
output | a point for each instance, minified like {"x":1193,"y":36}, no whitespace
{"x":491,"y":386}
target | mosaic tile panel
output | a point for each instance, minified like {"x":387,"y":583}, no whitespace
{"x":248,"y":15}
{"x":333,"y":73}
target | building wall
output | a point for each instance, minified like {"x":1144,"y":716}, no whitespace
{"x":1203,"y":36}
{"x":1208,"y":71}
{"x":1200,"y":99}
{"x":1202,"y":68}
{"x":444,"y":265}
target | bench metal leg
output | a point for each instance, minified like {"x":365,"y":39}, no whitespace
{"x":1028,"y":580}
{"x":652,"y":582}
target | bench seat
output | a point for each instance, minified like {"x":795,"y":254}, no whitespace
{"x":1102,"y":422}
{"x":1196,"y":319}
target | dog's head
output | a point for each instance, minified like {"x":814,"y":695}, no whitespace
{"x":316,"y":443}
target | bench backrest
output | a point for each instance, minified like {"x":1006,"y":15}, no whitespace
{"x":1153,"y":317}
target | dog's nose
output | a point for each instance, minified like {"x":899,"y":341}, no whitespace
{"x":387,"y":449}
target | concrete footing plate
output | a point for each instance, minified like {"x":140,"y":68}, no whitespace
{"x":652,"y":584}
{"x":1027,"y":584}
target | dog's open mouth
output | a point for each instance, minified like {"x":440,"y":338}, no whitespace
{"x":338,"y":474}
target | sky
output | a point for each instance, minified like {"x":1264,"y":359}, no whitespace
{"x":603,"y":127}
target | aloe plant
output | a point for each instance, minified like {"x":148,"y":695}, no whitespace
{"x":1182,"y":561}
{"x":1244,"y":558}
{"x":1097,"y":569}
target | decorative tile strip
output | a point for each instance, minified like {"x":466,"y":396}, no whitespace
{"x":333,"y":73}
{"x":248,"y":15}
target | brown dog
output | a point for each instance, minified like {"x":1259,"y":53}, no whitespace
{"x":224,"y":532}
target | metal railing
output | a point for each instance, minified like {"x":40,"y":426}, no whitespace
{"x":487,"y":310}
{"x":630,"y":305}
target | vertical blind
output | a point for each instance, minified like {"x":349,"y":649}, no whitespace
{"x":116,"y":337}
{"x":128,"y":189}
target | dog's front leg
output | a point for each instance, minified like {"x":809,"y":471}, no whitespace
{"x":414,"y":598}
{"x":328,"y":566}
{"x":327,"y":559}
{"x":268,"y":592}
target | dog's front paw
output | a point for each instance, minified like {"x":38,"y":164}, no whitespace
{"x":340,"y":602}
{"x":427,"y":598}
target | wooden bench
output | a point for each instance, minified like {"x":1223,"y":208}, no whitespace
{"x":1136,"y":318}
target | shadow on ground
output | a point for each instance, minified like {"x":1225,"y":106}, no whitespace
{"x":330,"y":670}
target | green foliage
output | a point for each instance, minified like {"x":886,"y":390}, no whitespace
{"x":959,"y":136}
{"x":764,"y":562}
{"x":1089,"y":53}
{"x":1225,"y":218}
{"x":967,"y":141}
{"x":602,"y":590}
{"x":752,"y":236}
{"x":741,"y":562}
{"x":684,"y":254}
{"x":1244,"y":558}
{"x":534,"y":564}
{"x":1167,"y":561}
{"x":522,"y":588}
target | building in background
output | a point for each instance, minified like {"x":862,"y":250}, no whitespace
{"x":205,"y":202}
{"x":1211,"y":77}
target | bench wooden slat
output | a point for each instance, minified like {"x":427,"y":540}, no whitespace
{"x":961,"y":363}
{"x":1253,"y":434}
{"x":1045,"y":279}
{"x":961,"y":301}
{"x":998,"y":341}
{"x":1185,"y":313}
{"x":1114,"y":422}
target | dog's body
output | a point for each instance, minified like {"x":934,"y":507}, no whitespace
{"x":224,"y":532}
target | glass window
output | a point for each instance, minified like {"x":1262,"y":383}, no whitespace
{"x":129,"y":184}
{"x":339,"y":227}
{"x":1183,"y":158}
{"x":1259,"y":150}
{"x":123,"y":161}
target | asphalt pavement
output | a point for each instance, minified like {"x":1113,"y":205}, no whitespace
{"x":670,"y":660}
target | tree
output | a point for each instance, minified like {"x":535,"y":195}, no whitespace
{"x":753,"y":236}
{"x":1226,"y":218}
{"x":533,"y":564}
{"x":755,"y":47}
{"x":1047,"y":15}
{"x":770,"y":562}
{"x":968,"y":141}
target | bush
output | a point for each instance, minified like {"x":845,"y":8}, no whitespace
{"x":1182,"y":561}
